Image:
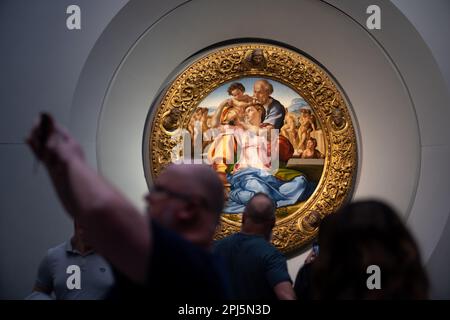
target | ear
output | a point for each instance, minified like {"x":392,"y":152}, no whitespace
{"x":272,"y":223}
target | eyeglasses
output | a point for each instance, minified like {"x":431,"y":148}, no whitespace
{"x":158,"y":190}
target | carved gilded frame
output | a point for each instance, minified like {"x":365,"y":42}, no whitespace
{"x":180,"y":99}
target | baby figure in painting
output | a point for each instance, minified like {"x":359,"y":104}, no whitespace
{"x":232,"y":111}
{"x":239,"y":100}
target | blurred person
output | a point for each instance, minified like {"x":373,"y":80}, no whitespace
{"x":302,"y":284}
{"x":96,"y":276}
{"x":162,"y":255}
{"x":359,"y":235}
{"x":258,"y":270}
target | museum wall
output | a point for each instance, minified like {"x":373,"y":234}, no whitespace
{"x":100,"y":81}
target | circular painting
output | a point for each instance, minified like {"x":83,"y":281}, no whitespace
{"x":266,"y":119}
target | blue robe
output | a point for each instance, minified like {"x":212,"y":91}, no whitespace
{"x":247,"y":182}
{"x":275,"y":114}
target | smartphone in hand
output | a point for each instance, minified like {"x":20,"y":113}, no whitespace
{"x":315,"y":248}
{"x":46,"y":127}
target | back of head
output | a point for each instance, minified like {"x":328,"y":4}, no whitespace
{"x":360,"y":235}
{"x":259,"y":215}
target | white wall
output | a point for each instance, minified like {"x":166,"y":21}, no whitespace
{"x":432,"y":21}
{"x":40,"y":62}
{"x":43,"y":62}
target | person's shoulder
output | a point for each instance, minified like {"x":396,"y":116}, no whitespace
{"x":57,"y":250}
{"x":225,"y":241}
{"x":258,"y":244}
{"x":276,"y":105}
{"x":54,"y":254}
{"x":270,"y":250}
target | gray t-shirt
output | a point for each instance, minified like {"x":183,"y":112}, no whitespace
{"x":96,"y":277}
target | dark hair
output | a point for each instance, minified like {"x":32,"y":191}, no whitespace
{"x":359,"y":235}
{"x":235,"y":85}
{"x":260,"y":213}
{"x":314,"y":140}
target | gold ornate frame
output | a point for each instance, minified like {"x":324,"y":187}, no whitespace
{"x":290,"y":68}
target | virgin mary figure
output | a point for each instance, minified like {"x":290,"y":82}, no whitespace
{"x":254,"y":170}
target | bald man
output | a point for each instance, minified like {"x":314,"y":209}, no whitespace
{"x":275,"y":111}
{"x":163,"y":254}
{"x":258,"y":271}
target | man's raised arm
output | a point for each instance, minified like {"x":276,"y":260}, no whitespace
{"x":112,"y":224}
